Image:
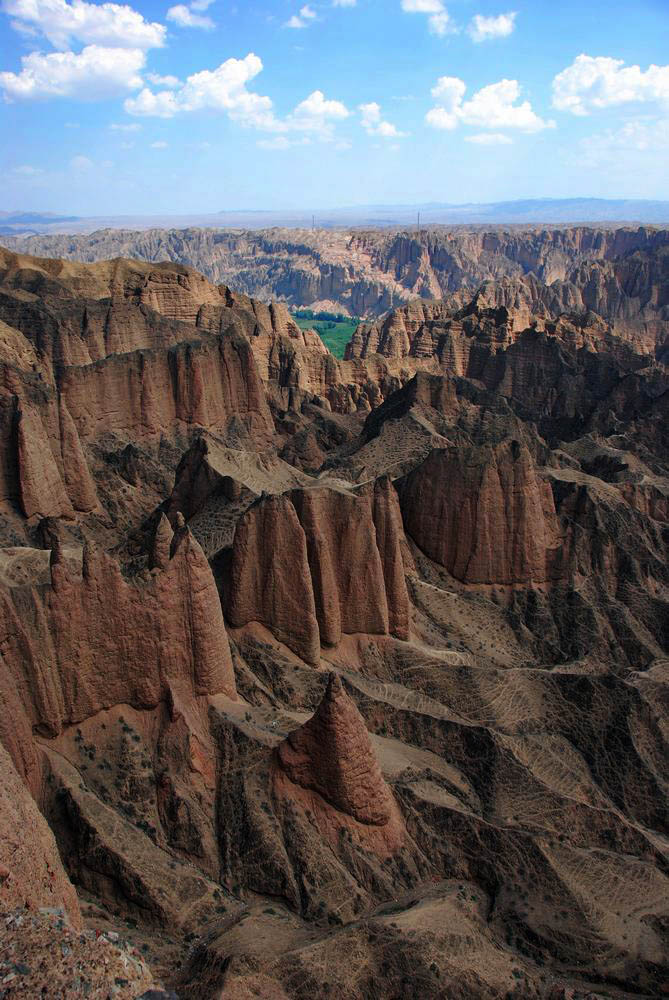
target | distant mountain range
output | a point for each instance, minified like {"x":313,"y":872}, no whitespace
{"x":524,"y":212}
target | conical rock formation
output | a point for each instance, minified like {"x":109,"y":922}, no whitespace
{"x":332,"y":755}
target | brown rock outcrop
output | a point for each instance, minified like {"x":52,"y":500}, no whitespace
{"x":42,"y":490}
{"x":269,"y":578}
{"x":318,"y":563}
{"x":484,"y":514}
{"x":31,"y":872}
{"x":162,"y":544}
{"x":389,"y":535}
{"x":346,"y":571}
{"x":78,"y":481}
{"x":85,"y":644}
{"x":331,"y":754}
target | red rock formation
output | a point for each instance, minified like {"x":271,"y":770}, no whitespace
{"x":315,"y":564}
{"x":31,"y":872}
{"x":269,"y":578}
{"x":389,"y":534}
{"x":42,"y":491}
{"x":346,"y":571}
{"x":78,"y":481}
{"x":162,"y":544}
{"x":485,"y":514}
{"x":82,"y":645}
{"x":332,"y":755}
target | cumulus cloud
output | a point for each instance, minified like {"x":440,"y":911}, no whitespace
{"x":483,"y":29}
{"x":616,"y":146}
{"x":302,"y":19}
{"x":592,"y":83}
{"x":81,"y":163}
{"x":494,"y":107}
{"x":163,"y":81}
{"x":185,"y":17}
{"x":438,"y":19}
{"x":373,"y":123}
{"x":28,"y":171}
{"x":489,"y":139}
{"x":282,"y":142}
{"x":92,"y":74}
{"x":226,"y":89}
{"x":316,"y":115}
{"x":107,"y":24}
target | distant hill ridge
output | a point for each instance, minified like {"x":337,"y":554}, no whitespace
{"x":537,"y":211}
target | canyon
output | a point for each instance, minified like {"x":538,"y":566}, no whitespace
{"x":336,"y":677}
{"x":619,"y":273}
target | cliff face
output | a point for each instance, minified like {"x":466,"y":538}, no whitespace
{"x":484,"y":514}
{"x":618,"y":273}
{"x":159,"y":638}
{"x":315,"y":564}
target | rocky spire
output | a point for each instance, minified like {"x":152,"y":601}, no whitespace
{"x":162,"y":541}
{"x":332,"y":754}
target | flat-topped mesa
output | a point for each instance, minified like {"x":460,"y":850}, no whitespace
{"x":332,"y":754}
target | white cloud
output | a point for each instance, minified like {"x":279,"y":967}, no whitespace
{"x":302,"y":19}
{"x":439,"y":20}
{"x":133,"y":127}
{"x":282,"y":142}
{"x":482,"y":29}
{"x":225,"y":89}
{"x":489,"y":139}
{"x":221,"y":89}
{"x":185,"y":18}
{"x":107,"y":24}
{"x":81,"y":163}
{"x":160,"y":105}
{"x":28,"y":171}
{"x":373,"y":123}
{"x":91,"y":74}
{"x":493,"y":107}
{"x":344,"y":3}
{"x":616,"y":146}
{"x":159,"y":145}
{"x":591,"y":83}
{"x":163,"y":81}
{"x":316,"y":115}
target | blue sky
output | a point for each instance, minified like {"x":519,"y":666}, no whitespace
{"x":204,"y":106}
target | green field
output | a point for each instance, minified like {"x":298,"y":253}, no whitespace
{"x":334,"y":331}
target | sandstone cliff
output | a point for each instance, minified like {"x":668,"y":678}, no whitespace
{"x":315,"y":564}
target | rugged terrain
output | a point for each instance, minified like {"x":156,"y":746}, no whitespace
{"x":328,"y":677}
{"x":622,"y":274}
